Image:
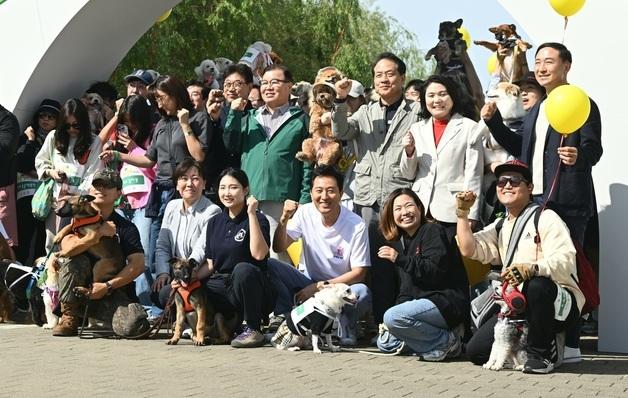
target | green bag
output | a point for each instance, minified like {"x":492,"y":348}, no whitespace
{"x":42,"y":200}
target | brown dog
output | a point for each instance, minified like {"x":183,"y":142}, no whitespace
{"x":511,"y":52}
{"x":85,"y":222}
{"x":194,"y":307}
{"x":321,"y":148}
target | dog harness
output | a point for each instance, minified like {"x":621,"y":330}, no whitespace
{"x":81,"y":222}
{"x":185,"y":292}
{"x":27,"y":272}
{"x":53,"y":294}
{"x":299,"y":316}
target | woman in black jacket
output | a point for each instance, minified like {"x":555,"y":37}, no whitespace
{"x":432,"y":300}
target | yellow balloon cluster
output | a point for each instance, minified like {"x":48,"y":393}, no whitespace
{"x":466,"y":36}
{"x":567,"y":108}
{"x":566,"y":8}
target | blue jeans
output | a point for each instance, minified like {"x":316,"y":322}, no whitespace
{"x":144,"y":282}
{"x":289,"y":280}
{"x":418,"y":323}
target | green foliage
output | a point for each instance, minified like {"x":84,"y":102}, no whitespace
{"x":306,"y":34}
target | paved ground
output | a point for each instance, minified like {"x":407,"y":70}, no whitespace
{"x":34,"y":364}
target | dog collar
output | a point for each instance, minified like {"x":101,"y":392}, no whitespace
{"x":81,"y":222}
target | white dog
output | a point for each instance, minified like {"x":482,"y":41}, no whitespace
{"x":509,"y":347}
{"x":96,"y":111}
{"x":314,"y":317}
{"x":206,"y":72}
{"x":51,"y":296}
{"x":222,"y":64}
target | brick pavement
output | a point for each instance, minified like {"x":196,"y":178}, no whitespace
{"x":34,"y":364}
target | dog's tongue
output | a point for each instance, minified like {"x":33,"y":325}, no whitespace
{"x":184,"y":284}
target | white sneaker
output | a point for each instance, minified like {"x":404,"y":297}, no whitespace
{"x":572,"y":355}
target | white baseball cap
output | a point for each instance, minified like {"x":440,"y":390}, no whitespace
{"x":357,"y":89}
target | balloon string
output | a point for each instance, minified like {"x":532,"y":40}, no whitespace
{"x":565,"y":29}
{"x":551,"y":191}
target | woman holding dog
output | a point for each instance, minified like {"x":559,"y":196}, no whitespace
{"x":443,"y":152}
{"x":432,"y":299}
{"x":236,"y":249}
{"x":69,"y":156}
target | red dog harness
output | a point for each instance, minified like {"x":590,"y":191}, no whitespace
{"x":81,"y":222}
{"x":185,"y":292}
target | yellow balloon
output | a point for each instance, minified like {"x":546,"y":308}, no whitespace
{"x":164,"y":16}
{"x":465,"y":36}
{"x":567,"y":108}
{"x":566,"y":8}
{"x":492,"y":63}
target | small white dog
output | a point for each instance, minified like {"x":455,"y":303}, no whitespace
{"x":96,"y":111}
{"x":222,"y":64}
{"x":314,"y":317}
{"x":206,"y":72}
{"x":51,"y":296}
{"x":509,"y":347}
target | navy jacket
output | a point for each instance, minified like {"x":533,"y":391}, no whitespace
{"x":574,"y":194}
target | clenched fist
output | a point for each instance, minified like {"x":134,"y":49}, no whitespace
{"x":238,"y":104}
{"x":183,"y":115}
{"x":464,"y":202}
{"x":289,"y":208}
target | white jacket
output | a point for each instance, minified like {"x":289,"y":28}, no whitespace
{"x":439,"y":173}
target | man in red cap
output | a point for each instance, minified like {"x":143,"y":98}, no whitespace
{"x":537,"y":256}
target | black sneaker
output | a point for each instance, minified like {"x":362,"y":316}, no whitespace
{"x":538,"y":365}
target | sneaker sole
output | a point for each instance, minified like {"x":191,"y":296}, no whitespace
{"x":544,"y":371}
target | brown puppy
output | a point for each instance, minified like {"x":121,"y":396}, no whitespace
{"x":510,"y":51}
{"x":85,"y":222}
{"x":194,"y":307}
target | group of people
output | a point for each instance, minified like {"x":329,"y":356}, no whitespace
{"x":211,"y":175}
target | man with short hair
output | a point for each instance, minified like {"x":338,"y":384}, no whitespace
{"x":106,"y":298}
{"x":378,"y":129}
{"x":268,"y":139}
{"x":542,"y":262}
{"x":335,"y":250}
{"x":198,"y":94}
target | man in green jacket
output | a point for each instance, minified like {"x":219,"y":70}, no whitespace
{"x":268,"y":139}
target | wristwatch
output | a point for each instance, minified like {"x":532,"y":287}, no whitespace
{"x":109,"y":288}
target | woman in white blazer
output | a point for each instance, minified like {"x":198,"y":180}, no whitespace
{"x":443,"y":152}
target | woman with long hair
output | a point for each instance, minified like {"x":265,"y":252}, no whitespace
{"x":69,"y":155}
{"x":431,"y":292}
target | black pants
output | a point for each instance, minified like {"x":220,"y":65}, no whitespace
{"x":245,"y":291}
{"x":31,"y":233}
{"x":540,"y":293}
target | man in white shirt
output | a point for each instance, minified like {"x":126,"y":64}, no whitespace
{"x":335,"y":250}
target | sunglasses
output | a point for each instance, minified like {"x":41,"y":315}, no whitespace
{"x":513,"y":180}
{"x":75,"y":126}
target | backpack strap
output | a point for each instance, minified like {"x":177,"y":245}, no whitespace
{"x":520,"y":223}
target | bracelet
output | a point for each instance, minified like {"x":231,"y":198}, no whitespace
{"x":188,"y":132}
{"x":109,"y":288}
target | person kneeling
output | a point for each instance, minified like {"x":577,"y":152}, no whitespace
{"x":111,"y":294}
{"x":432,"y":295}
{"x":537,"y":255}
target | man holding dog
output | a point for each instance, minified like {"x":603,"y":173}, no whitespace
{"x":378,"y":129}
{"x":335,"y":250}
{"x":105,"y":297}
{"x":537,"y":253}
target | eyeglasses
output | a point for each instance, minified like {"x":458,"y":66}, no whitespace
{"x":273,"y":82}
{"x":161,"y":98}
{"x":513,"y":180}
{"x":74,"y":126}
{"x":236,"y":85}
{"x":47,"y":116}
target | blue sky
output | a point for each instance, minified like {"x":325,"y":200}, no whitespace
{"x":423,"y":17}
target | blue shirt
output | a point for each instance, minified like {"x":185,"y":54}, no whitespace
{"x":228,"y":240}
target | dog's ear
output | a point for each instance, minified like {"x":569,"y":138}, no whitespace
{"x":513,"y":27}
{"x":86,"y":199}
{"x":458,"y":23}
{"x":193,"y":263}
{"x":173,"y":260}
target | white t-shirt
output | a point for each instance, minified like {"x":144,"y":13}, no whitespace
{"x":329,"y":252}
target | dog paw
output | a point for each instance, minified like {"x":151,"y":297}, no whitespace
{"x":198,"y":342}
{"x":486,"y":366}
{"x":335,"y":348}
{"x":47,"y":327}
{"x":317,"y":351}
{"x":172,"y":341}
{"x":518,"y":367}
{"x":294,"y":349}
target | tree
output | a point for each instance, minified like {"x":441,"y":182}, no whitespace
{"x":307,"y":35}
